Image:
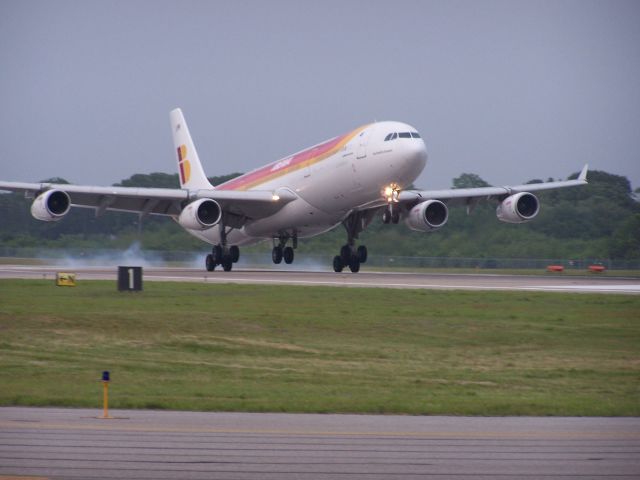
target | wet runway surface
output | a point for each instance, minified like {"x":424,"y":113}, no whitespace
{"x":71,"y":443}
{"x":547,"y":283}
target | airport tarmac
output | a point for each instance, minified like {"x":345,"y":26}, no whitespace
{"x":451,"y":281}
{"x":72,"y":443}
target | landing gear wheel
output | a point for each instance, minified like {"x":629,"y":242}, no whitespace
{"x":217,"y":254}
{"x":395,"y":216}
{"x":345,"y":254}
{"x":276,"y":254}
{"x":288,"y":255}
{"x":386,"y":216}
{"x":234,"y":252}
{"x":354,"y":264}
{"x":209,"y":263}
{"x":362,"y":254}
{"x":227,"y":264}
{"x":337,"y":264}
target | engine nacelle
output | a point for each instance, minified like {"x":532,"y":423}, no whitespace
{"x":201,"y":214}
{"x":427,"y":216}
{"x":51,"y":205}
{"x":518,"y":208}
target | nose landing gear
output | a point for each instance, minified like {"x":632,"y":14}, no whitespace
{"x":391,"y":215}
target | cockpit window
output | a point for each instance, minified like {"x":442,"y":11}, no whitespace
{"x":391,"y":136}
{"x":394,"y":135}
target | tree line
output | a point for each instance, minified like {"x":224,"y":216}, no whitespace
{"x":601,"y":220}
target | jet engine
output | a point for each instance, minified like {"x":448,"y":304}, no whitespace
{"x":427,"y":216}
{"x":518,"y":208}
{"x":51,"y":205}
{"x":201,"y":214}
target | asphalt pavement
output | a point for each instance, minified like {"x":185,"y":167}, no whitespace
{"x":73,"y":443}
{"x":449,"y":281}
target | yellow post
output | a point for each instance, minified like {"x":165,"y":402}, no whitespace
{"x":105,"y":399}
{"x":105,"y":395}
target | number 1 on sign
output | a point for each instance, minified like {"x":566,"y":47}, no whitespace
{"x":130,"y":278}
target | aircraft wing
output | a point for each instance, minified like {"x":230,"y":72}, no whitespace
{"x":467,"y":196}
{"x":161,"y":201}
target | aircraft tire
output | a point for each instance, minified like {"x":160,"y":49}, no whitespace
{"x":288,"y":255}
{"x":209,"y":263}
{"x":395,"y":217}
{"x":276,"y":254}
{"x":354,"y":264}
{"x":386,"y":216}
{"x":234,"y":251}
{"x":345,"y":254}
{"x":337,"y":264}
{"x":217,"y":254}
{"x":227,"y":264}
{"x":362,"y":254}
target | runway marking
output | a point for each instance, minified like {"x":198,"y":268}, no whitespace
{"x":350,"y":283}
{"x":372,"y":279}
{"x":631,"y":288}
{"x":21,"y":477}
{"x":320,"y":433}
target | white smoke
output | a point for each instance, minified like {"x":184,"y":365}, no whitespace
{"x":135,"y":255}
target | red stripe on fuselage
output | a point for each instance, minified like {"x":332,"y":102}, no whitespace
{"x":289,"y":164}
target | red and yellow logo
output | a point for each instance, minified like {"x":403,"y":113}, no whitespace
{"x":183,"y":163}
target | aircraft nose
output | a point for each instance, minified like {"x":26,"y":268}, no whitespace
{"x":417,"y":152}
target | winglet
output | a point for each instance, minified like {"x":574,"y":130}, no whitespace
{"x":192,"y":175}
{"x":583,"y":174}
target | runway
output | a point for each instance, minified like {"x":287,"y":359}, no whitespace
{"x":450,"y":281}
{"x":69,"y":443}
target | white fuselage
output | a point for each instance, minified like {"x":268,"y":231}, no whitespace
{"x":330,"y":179}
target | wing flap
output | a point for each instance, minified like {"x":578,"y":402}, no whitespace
{"x":251,"y":204}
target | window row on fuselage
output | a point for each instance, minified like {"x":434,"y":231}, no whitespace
{"x":394,"y":135}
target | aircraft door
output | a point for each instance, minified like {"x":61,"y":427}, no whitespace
{"x":358,"y":165}
{"x":363,"y":139}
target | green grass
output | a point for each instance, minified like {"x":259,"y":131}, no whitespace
{"x":313,"y":349}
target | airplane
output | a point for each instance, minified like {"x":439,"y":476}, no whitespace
{"x":346,"y":180}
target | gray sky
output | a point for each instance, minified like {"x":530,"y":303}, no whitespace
{"x":509,"y":90}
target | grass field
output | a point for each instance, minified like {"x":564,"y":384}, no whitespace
{"x":313,"y":349}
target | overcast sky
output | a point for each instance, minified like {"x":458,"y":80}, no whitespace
{"x":509,"y":90}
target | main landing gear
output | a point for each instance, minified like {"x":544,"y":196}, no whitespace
{"x":281,"y":251}
{"x":219,"y":256}
{"x":391,"y":215}
{"x":222,"y":254}
{"x":350,"y":256}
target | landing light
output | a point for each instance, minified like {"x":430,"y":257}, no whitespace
{"x":391,"y":193}
{"x":275,"y":197}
